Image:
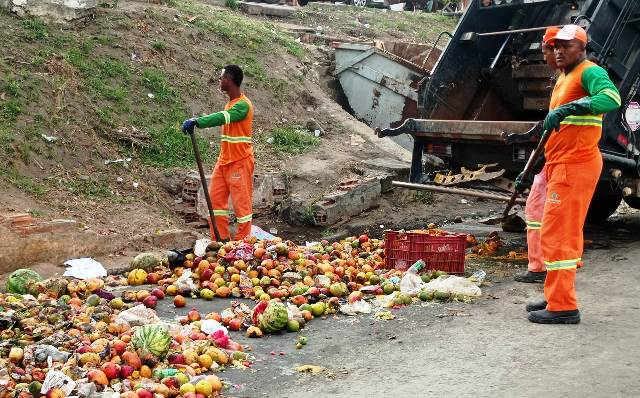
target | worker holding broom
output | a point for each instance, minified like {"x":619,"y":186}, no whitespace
{"x":233,"y":172}
{"x":536,"y":271}
{"x":582,"y":94}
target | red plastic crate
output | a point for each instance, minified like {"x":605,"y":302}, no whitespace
{"x":443,"y":253}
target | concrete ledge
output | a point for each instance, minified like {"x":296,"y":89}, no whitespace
{"x":273,"y":10}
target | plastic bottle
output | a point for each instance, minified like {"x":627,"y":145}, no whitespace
{"x":162,"y":373}
{"x":416,"y":267}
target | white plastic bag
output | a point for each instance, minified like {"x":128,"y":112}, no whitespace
{"x":453,"y":285}
{"x":57,"y":379}
{"x":200,"y":248}
{"x":357,"y":307}
{"x":210,"y":326}
{"x":411,"y":284}
{"x":138,"y":316}
{"x":184,"y":283}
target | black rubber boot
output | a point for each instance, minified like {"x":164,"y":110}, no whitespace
{"x":554,"y":317}
{"x":536,"y":305}
{"x":531,"y":277}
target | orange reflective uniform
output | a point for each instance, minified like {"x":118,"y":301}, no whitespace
{"x":533,"y":211}
{"x":573,"y":167}
{"x":233,"y":173}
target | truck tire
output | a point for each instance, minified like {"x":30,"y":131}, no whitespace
{"x":604,"y":203}
{"x":633,"y":201}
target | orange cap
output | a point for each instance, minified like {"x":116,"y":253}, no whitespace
{"x":570,"y":32}
{"x":550,"y":34}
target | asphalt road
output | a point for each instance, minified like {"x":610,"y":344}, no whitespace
{"x":484,"y":349}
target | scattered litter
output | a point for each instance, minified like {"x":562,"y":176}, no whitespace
{"x":358,"y":307}
{"x":84,"y":268}
{"x":384,"y":315}
{"x":49,"y":138}
{"x":138,"y":316}
{"x":270,"y":140}
{"x":111,"y":161}
{"x":464,"y":201}
{"x":136,"y":185}
{"x":185,"y":283}
{"x":453,"y":285}
{"x":200,"y":248}
{"x":150,"y":95}
{"x":210,"y":326}
{"x":57,"y":379}
{"x":317,"y":132}
{"x":478,"y":277}
{"x":312,"y":369}
{"x":261,"y":233}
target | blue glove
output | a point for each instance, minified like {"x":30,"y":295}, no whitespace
{"x":188,"y":125}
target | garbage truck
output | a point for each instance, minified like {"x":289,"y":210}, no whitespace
{"x":491,"y":78}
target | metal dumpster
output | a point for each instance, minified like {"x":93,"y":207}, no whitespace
{"x":380,"y":80}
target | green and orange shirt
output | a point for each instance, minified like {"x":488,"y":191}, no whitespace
{"x":577,"y":140}
{"x":235,"y":139}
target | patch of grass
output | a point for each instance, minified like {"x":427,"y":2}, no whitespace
{"x":11,"y":109}
{"x":34,"y":29}
{"x":6,"y":141}
{"x":36,"y":213}
{"x":155,"y":80}
{"x":307,"y":216}
{"x":86,"y":187}
{"x":328,"y":232}
{"x":292,"y":140}
{"x":236,"y":29}
{"x":255,"y":70}
{"x":233,"y":4}
{"x":172,"y":148}
{"x":159,"y":45}
{"x":425,"y":197}
{"x":13,"y":88}
{"x":24,"y":183}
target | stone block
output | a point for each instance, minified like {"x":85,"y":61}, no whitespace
{"x":273,"y":10}
{"x":352,"y":198}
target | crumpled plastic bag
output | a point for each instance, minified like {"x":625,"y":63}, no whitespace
{"x":200,"y":248}
{"x":57,"y":379}
{"x":184,"y":283}
{"x":453,"y":285}
{"x":210,"y":326}
{"x":411,"y":284}
{"x":293,"y":312}
{"x":138,"y":316}
{"x":357,"y":307}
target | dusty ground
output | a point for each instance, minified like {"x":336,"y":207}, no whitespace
{"x":484,"y":349}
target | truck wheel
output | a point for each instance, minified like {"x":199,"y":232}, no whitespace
{"x":604,"y":203}
{"x":633,"y":201}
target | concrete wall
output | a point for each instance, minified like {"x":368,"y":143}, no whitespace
{"x":52,"y":10}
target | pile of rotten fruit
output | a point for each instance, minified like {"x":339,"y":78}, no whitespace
{"x":67,"y":337}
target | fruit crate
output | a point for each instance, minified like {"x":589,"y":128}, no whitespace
{"x":439,"y":252}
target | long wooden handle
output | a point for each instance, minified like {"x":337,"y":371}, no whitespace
{"x":528,"y":168}
{"x":205,"y":188}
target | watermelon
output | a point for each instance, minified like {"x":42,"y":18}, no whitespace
{"x":152,"y":339}
{"x":274,"y":318}
{"x":145,"y":261}
{"x":20,"y":281}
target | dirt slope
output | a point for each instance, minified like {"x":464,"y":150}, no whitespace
{"x":73,"y":98}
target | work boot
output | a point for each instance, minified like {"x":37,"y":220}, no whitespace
{"x":531,"y":277}
{"x":548,"y":317}
{"x":536,"y":305}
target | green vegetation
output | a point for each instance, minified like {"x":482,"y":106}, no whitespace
{"x":233,"y":4}
{"x":27,"y":184}
{"x":36,"y":213}
{"x":293,"y":140}
{"x":86,"y":187}
{"x":425,"y":197}
{"x":159,"y":45}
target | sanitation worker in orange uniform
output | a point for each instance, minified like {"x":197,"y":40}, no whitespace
{"x":536,"y":270}
{"x":582,"y":94}
{"x":233,"y":172}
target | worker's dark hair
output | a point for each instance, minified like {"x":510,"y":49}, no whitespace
{"x":235,"y":73}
